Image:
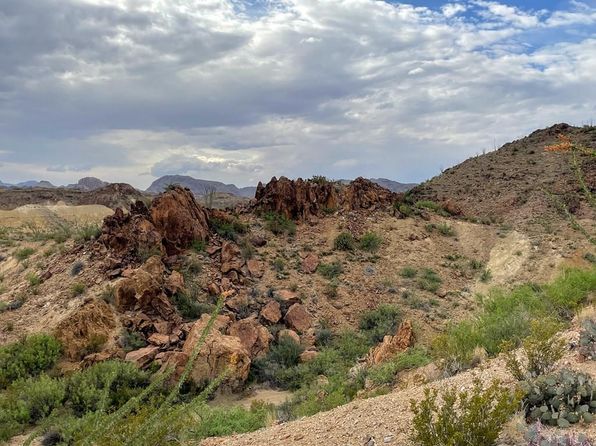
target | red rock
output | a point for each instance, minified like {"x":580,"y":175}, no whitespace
{"x":271,"y":312}
{"x":142,"y":357}
{"x":310,"y":263}
{"x":212,"y":250}
{"x":179,"y":219}
{"x":174,"y":283}
{"x":237,"y":303}
{"x":297,"y":318}
{"x":253,"y":336}
{"x":391,"y":345}
{"x":158,"y":339}
{"x":287,"y":296}
{"x":256,"y":268}
{"x":230,"y":252}
{"x":290,"y":334}
{"x":213,"y":289}
{"x":308,"y":355}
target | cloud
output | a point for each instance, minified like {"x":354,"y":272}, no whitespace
{"x":240,"y":91}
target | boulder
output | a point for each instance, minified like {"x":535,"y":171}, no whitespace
{"x":179,"y":218}
{"x":271,"y":312}
{"x":287,"y":297}
{"x":256,"y":268}
{"x":310,"y":263}
{"x":159,"y":339}
{"x":308,"y":355}
{"x":254,"y":337}
{"x":391,"y":345}
{"x":289,"y":334}
{"x":142,"y":357}
{"x":92,"y":323}
{"x":217,"y":354}
{"x":174,"y":283}
{"x":298,"y":318}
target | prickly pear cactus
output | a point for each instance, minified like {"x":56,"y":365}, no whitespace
{"x":536,"y":437}
{"x":560,"y":399}
{"x":587,"y":340}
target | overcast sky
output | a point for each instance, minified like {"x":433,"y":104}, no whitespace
{"x":239,"y":91}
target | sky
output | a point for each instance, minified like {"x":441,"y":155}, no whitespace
{"x":240,"y":91}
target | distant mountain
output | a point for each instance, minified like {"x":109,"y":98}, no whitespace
{"x":393,"y":186}
{"x":88,"y":184}
{"x":32,"y":184}
{"x":200,"y":187}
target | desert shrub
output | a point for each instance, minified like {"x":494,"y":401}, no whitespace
{"x":540,"y":350}
{"x":404,"y":209}
{"x":39,"y":395}
{"x":428,"y":204}
{"x":590,"y":257}
{"x":536,"y":436}
{"x":33,"y":279}
{"x":76,"y":268}
{"x":330,"y":270}
{"x":443,"y":228}
{"x":323,"y":336}
{"x":198,"y":246}
{"x":379,"y":322}
{"x":319,"y":179}
{"x":108,"y":294}
{"x":506,"y":314}
{"x":429,"y":280}
{"x":228,"y":229}
{"x":475,"y":264}
{"x":385,"y":372}
{"x":467,"y":418}
{"x":188,"y":307}
{"x":27,"y":358}
{"x":109,"y":383}
{"x":344,"y":242}
{"x":587,"y":340}
{"x":131,"y":340}
{"x":279,"y":224}
{"x":94,"y":344}
{"x":220,"y":421}
{"x":246,"y":249}
{"x":486,"y":275}
{"x":277,"y":367}
{"x":23,"y":254}
{"x":560,"y":399}
{"x":408,"y":272}
{"x":331,"y":289}
{"x":370,"y":242}
{"x":77,"y":289}
{"x":87,"y":232}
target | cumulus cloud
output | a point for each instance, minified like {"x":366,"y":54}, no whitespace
{"x":240,"y":91}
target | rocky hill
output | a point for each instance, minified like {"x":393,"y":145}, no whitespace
{"x":511,"y":183}
{"x":87,"y":184}
{"x":199,"y":187}
{"x":112,"y":196}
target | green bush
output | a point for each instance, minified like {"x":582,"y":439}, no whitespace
{"x":560,"y":399}
{"x":220,"y":421}
{"x":330,"y":270}
{"x":370,"y":242}
{"x":540,"y":350}
{"x":23,"y":254}
{"x":486,"y":276}
{"x":228,"y":229}
{"x":384,"y":373}
{"x":279,"y":224}
{"x":131,"y":340}
{"x":427,"y":204}
{"x":429,"y":280}
{"x":39,"y":395}
{"x":443,"y":228}
{"x":505,"y":315}
{"x":109,"y":383}
{"x":188,"y":307}
{"x":88,"y":232}
{"x":77,"y":289}
{"x":587,"y":340}
{"x":466,"y":418}
{"x":404,"y":209}
{"x":277,"y":366}
{"x":28,"y":357}
{"x":344,"y":242}
{"x":379,"y":322}
{"x":408,"y":272}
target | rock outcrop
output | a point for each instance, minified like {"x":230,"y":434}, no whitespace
{"x":303,"y":200}
{"x":391,"y":345}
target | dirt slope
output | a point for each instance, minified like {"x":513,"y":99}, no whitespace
{"x":507,"y":184}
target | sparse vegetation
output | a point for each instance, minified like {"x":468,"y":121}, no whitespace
{"x":429,"y":280}
{"x":385,"y":373}
{"x":330,"y":270}
{"x":370,"y":242}
{"x":23,"y":254}
{"x":408,"y":272}
{"x":230,"y":229}
{"x":463,"y":418}
{"x":344,"y":242}
{"x":77,"y":289}
{"x":87,"y":232}
{"x":442,"y":228}
{"x":76,"y":268}
{"x":377,"y":323}
{"x":486,"y":275}
{"x":279,"y":224}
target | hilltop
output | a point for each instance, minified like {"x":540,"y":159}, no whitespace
{"x":511,"y":184}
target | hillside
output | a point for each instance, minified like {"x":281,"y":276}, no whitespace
{"x":509,"y":184}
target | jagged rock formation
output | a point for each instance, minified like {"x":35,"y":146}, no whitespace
{"x":301,"y":200}
{"x":87,"y":184}
{"x":391,"y":345}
